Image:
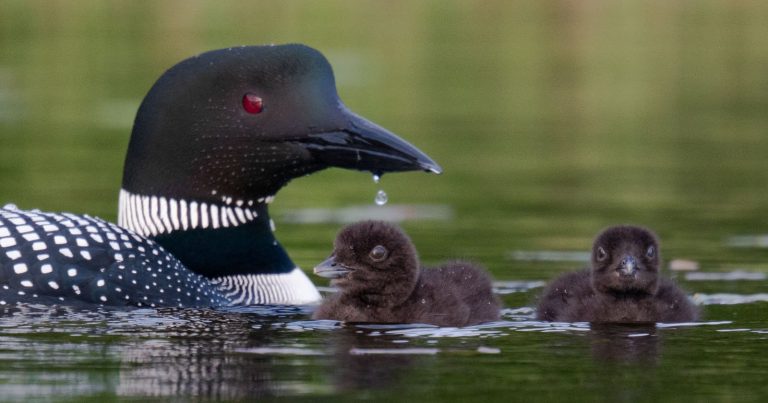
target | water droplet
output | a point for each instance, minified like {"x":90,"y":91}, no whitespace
{"x":381,"y":198}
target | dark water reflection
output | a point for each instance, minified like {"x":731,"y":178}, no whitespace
{"x":625,"y":344}
{"x":364,"y":362}
{"x":272,"y":352}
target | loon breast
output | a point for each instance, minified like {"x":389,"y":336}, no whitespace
{"x":67,"y":258}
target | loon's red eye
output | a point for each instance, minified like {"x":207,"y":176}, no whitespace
{"x":253,"y":103}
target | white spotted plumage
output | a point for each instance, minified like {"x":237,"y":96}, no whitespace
{"x":54,"y":255}
{"x":94,"y":262}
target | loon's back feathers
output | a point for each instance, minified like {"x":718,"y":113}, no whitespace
{"x":66,"y":258}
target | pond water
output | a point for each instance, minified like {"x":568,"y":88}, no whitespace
{"x":551,"y":119}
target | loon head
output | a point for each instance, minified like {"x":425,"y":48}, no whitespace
{"x":220,"y":133}
{"x":242,"y":122}
{"x":625,"y":261}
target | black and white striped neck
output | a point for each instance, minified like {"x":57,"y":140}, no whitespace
{"x":232,"y":243}
{"x":151,"y":215}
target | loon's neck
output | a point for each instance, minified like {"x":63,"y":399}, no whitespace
{"x":231,"y":243}
{"x":215,"y":240}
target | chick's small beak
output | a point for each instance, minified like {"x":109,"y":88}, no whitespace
{"x":628,"y":266}
{"x":329,"y":268}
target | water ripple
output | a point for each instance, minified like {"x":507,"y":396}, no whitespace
{"x":279,"y":351}
{"x":729,"y":299}
{"x":511,"y":287}
{"x":394,"y":351}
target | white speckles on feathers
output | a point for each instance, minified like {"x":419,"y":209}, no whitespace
{"x":87,"y":267}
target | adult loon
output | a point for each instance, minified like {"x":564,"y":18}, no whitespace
{"x":622,"y":286}
{"x":214,"y":139}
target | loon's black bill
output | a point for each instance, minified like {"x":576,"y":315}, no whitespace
{"x":366,"y":146}
{"x":330,"y":269}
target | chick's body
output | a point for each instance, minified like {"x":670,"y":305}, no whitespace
{"x":376,"y":268}
{"x":623,"y":285}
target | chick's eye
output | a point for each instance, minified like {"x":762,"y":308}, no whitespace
{"x":378,"y":253}
{"x":253,"y":103}
{"x":651,"y":252}
{"x":601,"y":254}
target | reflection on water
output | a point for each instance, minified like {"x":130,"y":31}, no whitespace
{"x":625,"y":344}
{"x":207,"y":368}
{"x":357,"y":371}
{"x":275,"y":351}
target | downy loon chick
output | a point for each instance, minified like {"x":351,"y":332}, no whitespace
{"x":376,"y":268}
{"x":622,"y":286}
{"x":213,"y":141}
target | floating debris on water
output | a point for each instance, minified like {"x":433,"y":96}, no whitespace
{"x":549,"y":256}
{"x":737,"y":275}
{"x":683,"y":265}
{"x":392,"y":213}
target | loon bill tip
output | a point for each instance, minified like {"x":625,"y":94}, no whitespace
{"x":432,"y":167}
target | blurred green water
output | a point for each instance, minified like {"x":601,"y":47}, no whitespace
{"x":551,"y":119}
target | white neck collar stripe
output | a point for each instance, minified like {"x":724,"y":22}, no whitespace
{"x":155,"y":215}
{"x":284,"y":288}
